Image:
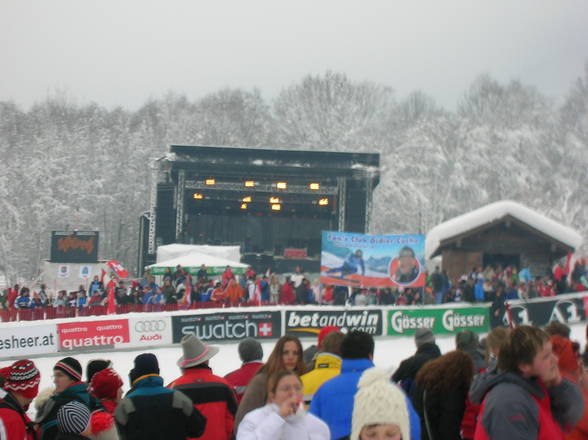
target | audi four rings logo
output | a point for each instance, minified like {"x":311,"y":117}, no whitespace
{"x":156,"y":325}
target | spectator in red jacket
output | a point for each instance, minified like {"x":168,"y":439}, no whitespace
{"x":21,"y":385}
{"x":288,"y":296}
{"x":212,"y":395}
{"x":251,"y":354}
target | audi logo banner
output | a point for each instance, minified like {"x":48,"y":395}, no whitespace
{"x":150,"y":330}
{"x":228,"y":326}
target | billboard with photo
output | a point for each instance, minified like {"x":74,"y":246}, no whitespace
{"x":362,"y":260}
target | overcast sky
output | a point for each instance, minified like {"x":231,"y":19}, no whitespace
{"x":122,"y":52}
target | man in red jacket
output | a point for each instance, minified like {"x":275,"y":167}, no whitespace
{"x":251,"y":354}
{"x":21,"y":385}
{"x":212,"y":395}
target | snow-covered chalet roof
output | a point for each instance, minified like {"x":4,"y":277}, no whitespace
{"x":496,"y":211}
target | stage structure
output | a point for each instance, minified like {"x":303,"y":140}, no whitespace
{"x":272,"y":203}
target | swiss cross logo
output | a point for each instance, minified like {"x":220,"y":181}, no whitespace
{"x":264,"y":329}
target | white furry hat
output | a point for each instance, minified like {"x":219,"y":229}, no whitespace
{"x":379,"y":401}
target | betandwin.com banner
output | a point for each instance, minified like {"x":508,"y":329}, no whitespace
{"x":362,"y":260}
{"x":309,"y":322}
{"x":403,"y":322}
{"x":228,"y":326}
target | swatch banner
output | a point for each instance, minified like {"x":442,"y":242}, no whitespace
{"x":363,"y":260}
{"x":541,"y":313}
{"x":310,"y":322}
{"x":402,"y":322}
{"x":228,"y":326}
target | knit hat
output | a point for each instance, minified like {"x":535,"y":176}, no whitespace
{"x":424,"y":336}
{"x":71,"y":367}
{"x":73,"y":418}
{"x":467,"y":340}
{"x":94,"y":366}
{"x":378,"y":401}
{"x":22,"y":377}
{"x":567,"y":359}
{"x":105,"y":384}
{"x":250,"y":350}
{"x":324,"y":332}
{"x":195,"y":351}
{"x":145,"y":363}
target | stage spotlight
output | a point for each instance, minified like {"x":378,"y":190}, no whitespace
{"x":275,"y":200}
{"x":209,"y":182}
{"x":198,"y":196}
{"x":282,"y":185}
{"x":246,"y":199}
{"x":276,"y":207}
{"x":323,"y":202}
{"x":249,"y":183}
{"x":243,"y":205}
{"x":314,"y":186}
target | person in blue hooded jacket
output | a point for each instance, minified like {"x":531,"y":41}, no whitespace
{"x":479,"y":291}
{"x":333,"y":402}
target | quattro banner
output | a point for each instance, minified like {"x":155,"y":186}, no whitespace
{"x":310,"y":322}
{"x":403,"y":322}
{"x":92,"y":334}
{"x":568,"y":310}
{"x":362,"y":260}
{"x":26,"y":340}
{"x":228,"y":326}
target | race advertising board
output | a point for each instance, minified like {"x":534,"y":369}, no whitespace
{"x":362,"y":260}
{"x":310,"y":322}
{"x":27,"y":340}
{"x":228,"y":326}
{"x":568,"y":310}
{"x":74,"y":247}
{"x":152,"y":329}
{"x":403,"y":322}
{"x":87,"y":335}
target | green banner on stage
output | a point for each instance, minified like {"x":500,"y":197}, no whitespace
{"x":402,"y":322}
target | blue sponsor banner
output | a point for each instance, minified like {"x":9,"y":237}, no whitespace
{"x":363,"y":260}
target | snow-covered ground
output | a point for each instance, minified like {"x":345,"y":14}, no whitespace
{"x":388,"y":354}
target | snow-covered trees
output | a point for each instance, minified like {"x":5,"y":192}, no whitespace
{"x":65,"y":165}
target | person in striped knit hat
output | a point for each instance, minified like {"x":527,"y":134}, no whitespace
{"x":67,"y":377}
{"x":21,"y":385}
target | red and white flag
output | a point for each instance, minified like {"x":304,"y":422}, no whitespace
{"x":120,"y":271}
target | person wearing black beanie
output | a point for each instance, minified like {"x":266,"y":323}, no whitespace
{"x":94,"y":366}
{"x":67,"y":377}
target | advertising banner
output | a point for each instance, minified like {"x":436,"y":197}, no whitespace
{"x":310,"y":322}
{"x":27,"y":340}
{"x":91,"y":334}
{"x":568,"y":310}
{"x":403,"y":322}
{"x":74,"y":247}
{"x":152,"y":329}
{"x":363,"y":260}
{"x":228,"y":326}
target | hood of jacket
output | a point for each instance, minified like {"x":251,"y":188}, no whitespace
{"x":484,"y":382}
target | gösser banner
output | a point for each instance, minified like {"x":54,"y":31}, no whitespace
{"x":441,"y":321}
{"x":91,"y":334}
{"x":27,"y":340}
{"x":363,"y":260}
{"x":228,"y":326}
{"x":309,"y":323}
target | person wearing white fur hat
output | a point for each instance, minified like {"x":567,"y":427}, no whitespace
{"x":380,"y":410}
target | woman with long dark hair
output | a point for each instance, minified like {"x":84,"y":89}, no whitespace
{"x":440,"y":395}
{"x":286,"y":355}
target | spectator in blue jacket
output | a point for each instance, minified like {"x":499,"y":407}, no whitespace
{"x":333,"y":402}
{"x":479,"y":290}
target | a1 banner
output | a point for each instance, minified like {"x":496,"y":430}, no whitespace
{"x":568,"y":310}
{"x":87,"y":335}
{"x":228,"y":326}
{"x":402,"y":322}
{"x":150,"y":330}
{"x":24,"y":341}
{"x":310,"y":322}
